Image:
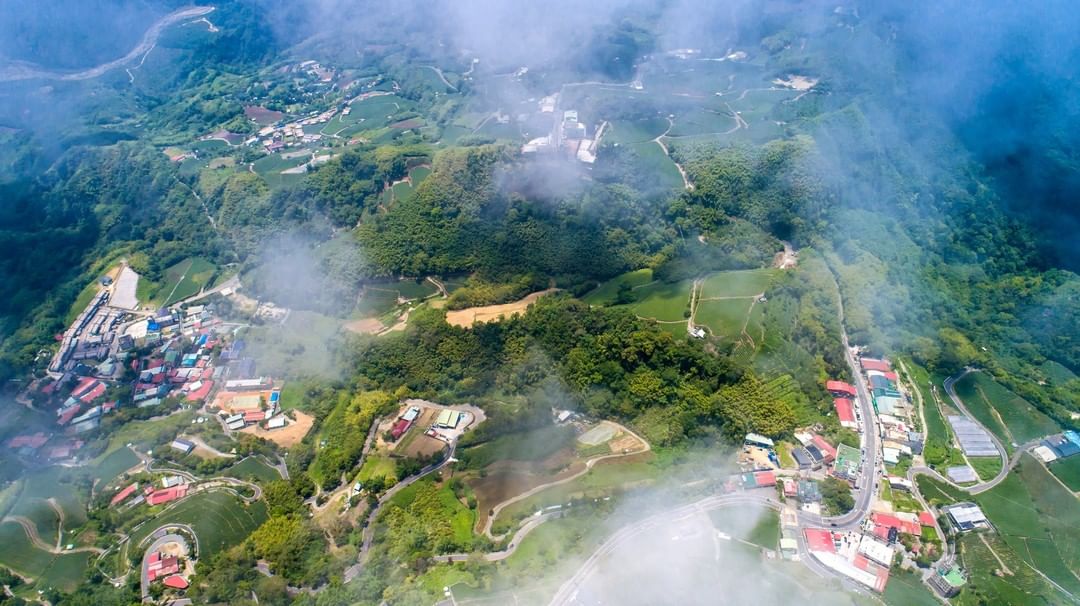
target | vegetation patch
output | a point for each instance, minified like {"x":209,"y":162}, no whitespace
{"x":1011,"y":417}
{"x":219,"y":519}
{"x":183,"y":280}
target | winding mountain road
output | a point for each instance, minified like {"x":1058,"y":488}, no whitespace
{"x":20,"y":70}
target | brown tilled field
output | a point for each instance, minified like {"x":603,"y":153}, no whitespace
{"x":367,"y":326}
{"x":422,"y":445}
{"x":625,"y":443}
{"x":467,"y":317}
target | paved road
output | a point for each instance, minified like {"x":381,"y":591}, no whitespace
{"x":868,"y":473}
{"x":950,"y":388}
{"x":496,"y":556}
{"x":369,"y":529}
{"x":27,"y":71}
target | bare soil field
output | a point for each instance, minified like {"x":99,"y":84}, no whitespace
{"x":467,"y":317}
{"x":626,"y":443}
{"x":367,"y":326}
{"x":799,"y":83}
{"x":287,"y":436}
{"x":422,"y":445}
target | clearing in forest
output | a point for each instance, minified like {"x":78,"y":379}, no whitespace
{"x":467,"y":317}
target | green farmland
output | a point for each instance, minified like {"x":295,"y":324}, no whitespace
{"x":1068,"y":471}
{"x":253,"y":469}
{"x":1012,"y":418}
{"x":742,"y":283}
{"x":184,"y":280}
{"x":219,"y":519}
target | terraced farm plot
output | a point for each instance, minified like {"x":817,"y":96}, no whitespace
{"x":378,"y":466}
{"x":377,"y":300}
{"x":651,"y":160}
{"x":741,"y":283}
{"x":606,"y":293}
{"x":113,"y":464}
{"x":1039,"y":519}
{"x":66,"y":571}
{"x":253,"y":469}
{"x":662,"y":301}
{"x":19,"y":553}
{"x":638,"y":131}
{"x":1068,"y":471}
{"x":184,"y":279}
{"x":725,"y":318}
{"x":1010,"y":417}
{"x":219,"y":519}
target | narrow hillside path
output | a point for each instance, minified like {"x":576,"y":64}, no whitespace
{"x":31,"y":533}
{"x":659,"y":140}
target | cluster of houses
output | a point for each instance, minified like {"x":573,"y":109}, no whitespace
{"x":250,"y":401}
{"x":172,"y":488}
{"x":1060,"y":446}
{"x":569,"y":136}
{"x":165,"y":568}
{"x":47,"y":447}
{"x":446,"y":419}
{"x":181,"y":362}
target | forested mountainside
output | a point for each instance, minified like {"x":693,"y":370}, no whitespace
{"x":665,"y":218}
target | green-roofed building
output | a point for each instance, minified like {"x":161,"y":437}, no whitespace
{"x":948,"y":582}
{"x":848,"y":461}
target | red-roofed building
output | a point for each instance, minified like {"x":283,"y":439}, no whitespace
{"x":167,"y":494}
{"x":400,"y":428}
{"x":207,"y":373}
{"x":892,"y":376}
{"x":154,"y":560}
{"x":68,"y":415}
{"x":840,"y":388}
{"x":789,"y":487}
{"x":123,"y":494}
{"x":60,"y":452}
{"x":84,"y":385}
{"x":902,"y":526}
{"x":176,"y":582}
{"x":49,"y":389}
{"x":926,"y":518}
{"x":845,"y":412}
{"x":200,"y":394}
{"x":818,"y":539}
{"x":108,"y":407}
{"x":828,"y":452}
{"x":35,"y":441}
{"x":875,"y":364}
{"x":764,"y":478}
{"x":880,"y":572}
{"x":93,"y":394}
{"x":254,"y":416}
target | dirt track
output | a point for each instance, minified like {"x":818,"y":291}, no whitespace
{"x":467,"y":317}
{"x":32,"y":534}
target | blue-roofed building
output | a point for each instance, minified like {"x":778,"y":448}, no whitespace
{"x":1061,"y":446}
{"x":1073,"y":437}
